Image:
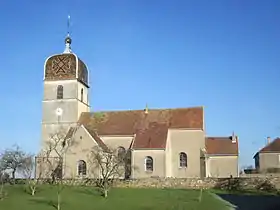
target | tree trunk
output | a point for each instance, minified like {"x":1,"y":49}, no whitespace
{"x":105,"y":193}
{"x":53,"y":178}
{"x":200,"y":195}
{"x":14,"y":176}
{"x":33,"y":190}
{"x":106,"y":188}
{"x":1,"y":191}
{"x":58,"y":201}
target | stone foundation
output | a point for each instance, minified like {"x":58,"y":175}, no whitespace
{"x":167,"y":183}
{"x":243,"y":183}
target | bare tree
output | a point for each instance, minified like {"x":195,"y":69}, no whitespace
{"x":52,"y":160}
{"x":13,"y":159}
{"x":28,"y":169}
{"x":108,"y":164}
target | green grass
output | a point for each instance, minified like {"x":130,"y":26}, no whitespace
{"x":86,"y":198}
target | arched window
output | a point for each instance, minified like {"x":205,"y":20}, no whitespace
{"x":82,"y":94}
{"x":82,"y":168}
{"x":149,"y":163}
{"x":183,"y":160}
{"x":121,"y":153}
{"x":59,"y":92}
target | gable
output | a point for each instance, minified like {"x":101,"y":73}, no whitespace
{"x":80,"y":132}
{"x":274,"y":146}
{"x":118,"y":141}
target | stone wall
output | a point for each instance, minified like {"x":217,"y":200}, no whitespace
{"x":245,"y":183}
{"x":194,"y":183}
{"x":208,"y":183}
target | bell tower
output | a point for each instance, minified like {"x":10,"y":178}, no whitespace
{"x":66,"y":91}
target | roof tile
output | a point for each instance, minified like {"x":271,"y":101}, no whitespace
{"x":128,"y":122}
{"x":221,"y":146}
{"x":153,"y":137}
{"x":274,"y":146}
{"x":150,"y":128}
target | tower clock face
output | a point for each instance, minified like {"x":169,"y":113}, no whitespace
{"x":59,"y":112}
{"x":61,"y":67}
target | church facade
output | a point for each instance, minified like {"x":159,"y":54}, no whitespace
{"x":160,"y":142}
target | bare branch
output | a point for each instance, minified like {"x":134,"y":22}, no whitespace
{"x":52,"y":160}
{"x":109,"y":164}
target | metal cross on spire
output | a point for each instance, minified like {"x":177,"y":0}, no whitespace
{"x":68,"y":39}
{"x":68,"y":26}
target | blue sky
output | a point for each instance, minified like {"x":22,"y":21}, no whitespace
{"x":221,"y":54}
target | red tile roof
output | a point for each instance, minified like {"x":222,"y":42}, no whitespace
{"x":152,"y":137}
{"x":150,"y":129}
{"x":274,"y":146}
{"x":221,"y":146}
{"x":98,"y":140}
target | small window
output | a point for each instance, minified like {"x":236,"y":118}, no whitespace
{"x":82,"y":94}
{"x":183,"y":160}
{"x":121,"y":153}
{"x":149,"y":164}
{"x":82,"y":168}
{"x":59,"y":92}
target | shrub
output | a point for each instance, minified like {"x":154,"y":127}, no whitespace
{"x":231,"y":184}
{"x":20,"y":181}
{"x":266,"y":186}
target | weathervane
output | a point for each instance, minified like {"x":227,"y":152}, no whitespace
{"x":146,"y":109}
{"x":68,"y":39}
{"x":68,"y":26}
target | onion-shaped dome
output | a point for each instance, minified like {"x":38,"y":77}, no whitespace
{"x":66,"y":66}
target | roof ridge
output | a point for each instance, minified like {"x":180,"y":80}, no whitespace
{"x":128,"y":110}
{"x":267,"y":147}
{"x":191,"y":107}
{"x":218,"y":137}
{"x":150,"y":109}
{"x":270,"y":143}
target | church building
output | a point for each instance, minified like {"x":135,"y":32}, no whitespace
{"x":160,"y":142}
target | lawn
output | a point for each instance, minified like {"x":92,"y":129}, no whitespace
{"x":86,"y":198}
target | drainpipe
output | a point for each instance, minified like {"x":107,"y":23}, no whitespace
{"x":132,"y":159}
